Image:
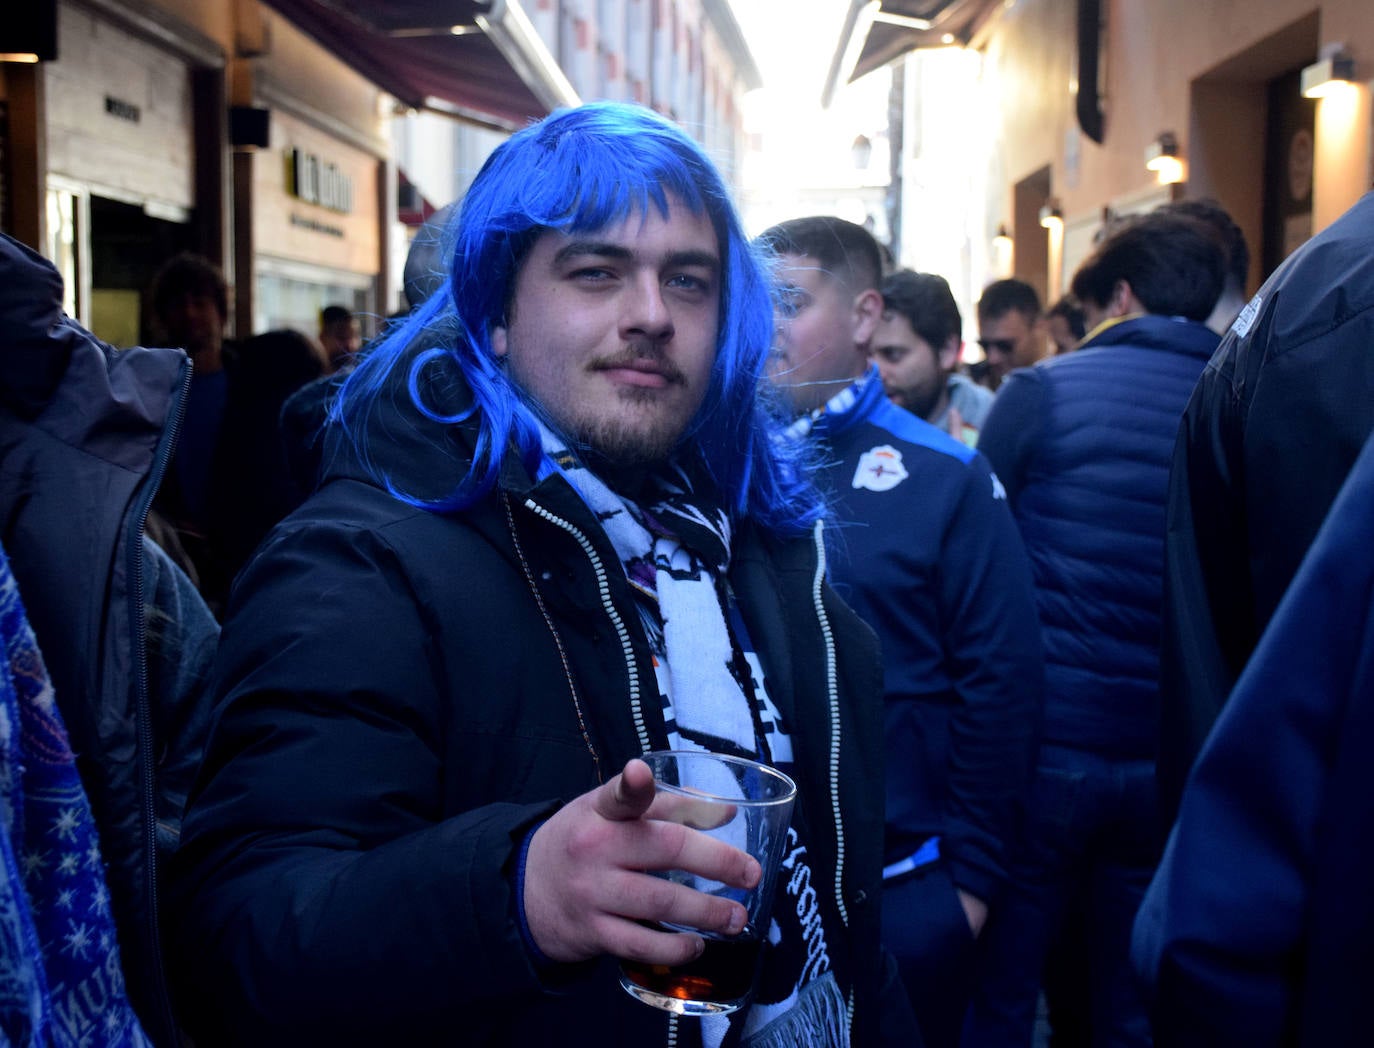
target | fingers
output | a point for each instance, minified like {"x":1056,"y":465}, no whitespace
{"x":696,"y":812}
{"x":628,"y":795}
{"x":956,"y":423}
{"x":589,"y":877}
{"x":649,"y":901}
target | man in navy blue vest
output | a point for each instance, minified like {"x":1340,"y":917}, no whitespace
{"x":928,"y":555}
{"x":1083,"y":443}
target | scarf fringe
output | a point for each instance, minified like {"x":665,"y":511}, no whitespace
{"x":819,"y":1019}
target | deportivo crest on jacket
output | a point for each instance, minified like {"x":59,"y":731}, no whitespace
{"x":880,"y":469}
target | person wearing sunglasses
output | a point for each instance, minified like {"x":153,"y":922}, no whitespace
{"x":1011,"y":328}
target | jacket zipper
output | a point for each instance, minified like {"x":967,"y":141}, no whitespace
{"x":833,"y":697}
{"x":143,"y":714}
{"x":832,"y":693}
{"x":603,"y":588}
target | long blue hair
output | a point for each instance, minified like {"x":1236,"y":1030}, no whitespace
{"x":579,"y":171}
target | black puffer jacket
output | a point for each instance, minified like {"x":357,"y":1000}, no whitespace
{"x":403,"y":694}
{"x":85,"y":433}
{"x":1276,"y":422}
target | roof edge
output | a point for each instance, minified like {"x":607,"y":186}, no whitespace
{"x":722,"y":17}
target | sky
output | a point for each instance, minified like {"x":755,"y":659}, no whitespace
{"x":806,"y":150}
{"x":792,"y":42}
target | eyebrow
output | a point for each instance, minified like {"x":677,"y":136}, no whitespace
{"x":600,"y":249}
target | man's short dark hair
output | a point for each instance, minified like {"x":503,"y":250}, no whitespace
{"x":1174,"y":264}
{"x":1003,"y":296}
{"x":845,"y":250}
{"x":189,"y":274}
{"x":927,"y":303}
{"x":331,"y":315}
{"x":1233,"y":240}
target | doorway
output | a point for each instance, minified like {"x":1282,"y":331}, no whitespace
{"x":128,"y":246}
{"x":1289,"y":150}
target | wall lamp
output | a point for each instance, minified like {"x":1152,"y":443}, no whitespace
{"x":1050,"y":215}
{"x":29,"y":33}
{"x":1329,"y":73}
{"x":1163,"y":158}
{"x":1002,"y":241}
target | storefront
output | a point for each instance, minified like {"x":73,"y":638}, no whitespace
{"x":123,"y":167}
{"x":317,"y":228}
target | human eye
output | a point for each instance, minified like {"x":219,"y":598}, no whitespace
{"x":592,"y":274}
{"x":690,"y":282}
{"x":789,"y":301}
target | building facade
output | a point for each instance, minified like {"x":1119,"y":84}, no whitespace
{"x":1053,"y":107}
{"x":261,"y":133}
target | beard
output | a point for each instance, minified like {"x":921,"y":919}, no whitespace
{"x":643,"y":433}
{"x":919,"y":400}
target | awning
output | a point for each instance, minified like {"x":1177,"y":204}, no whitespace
{"x":481,"y":60}
{"x":877,"y":31}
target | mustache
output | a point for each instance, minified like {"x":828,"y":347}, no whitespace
{"x":644,"y":357}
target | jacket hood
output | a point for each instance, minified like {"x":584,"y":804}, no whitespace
{"x":35,"y":347}
{"x":407,"y":450}
{"x":57,"y":375}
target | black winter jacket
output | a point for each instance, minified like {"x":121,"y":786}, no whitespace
{"x":85,"y":434}
{"x":1277,"y":420}
{"x":403,"y":694}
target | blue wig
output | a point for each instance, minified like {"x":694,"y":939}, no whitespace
{"x":580,"y":171}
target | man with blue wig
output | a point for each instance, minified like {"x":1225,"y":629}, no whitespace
{"x":556,"y":530}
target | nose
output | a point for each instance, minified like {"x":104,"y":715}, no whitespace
{"x":647,"y":315}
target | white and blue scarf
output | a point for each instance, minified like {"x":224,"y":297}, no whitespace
{"x":676,"y":553}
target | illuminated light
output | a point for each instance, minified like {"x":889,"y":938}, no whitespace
{"x":1327,"y":76}
{"x":948,"y":38}
{"x":1169,"y":170}
{"x":905,"y":21}
{"x":463,"y":30}
{"x":1002,"y":241}
{"x":1163,"y":157}
{"x":1050,"y":215}
{"x":27,"y":57}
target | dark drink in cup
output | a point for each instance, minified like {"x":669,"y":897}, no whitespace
{"x":717,"y":981}
{"x":748,"y":806}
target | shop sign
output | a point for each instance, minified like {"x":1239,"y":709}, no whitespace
{"x":122,"y":110}
{"x":315,"y":181}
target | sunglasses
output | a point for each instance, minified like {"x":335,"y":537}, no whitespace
{"x":999,"y":345}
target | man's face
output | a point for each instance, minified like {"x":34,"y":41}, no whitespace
{"x":1011,"y":341}
{"x":614,"y":333}
{"x":342,"y":339}
{"x":194,"y":322}
{"x":914,"y":372}
{"x":815,"y":352}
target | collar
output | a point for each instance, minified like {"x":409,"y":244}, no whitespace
{"x":849,"y":406}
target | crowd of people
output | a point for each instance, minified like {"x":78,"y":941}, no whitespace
{"x":328,"y":666}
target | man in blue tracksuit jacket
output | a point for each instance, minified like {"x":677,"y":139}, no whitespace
{"x":1258,"y":929}
{"x":927,"y":553}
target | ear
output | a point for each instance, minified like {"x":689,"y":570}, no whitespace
{"x":1122,"y":300}
{"x":868,"y":311}
{"x":948,"y":354}
{"x":498,"y":340}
